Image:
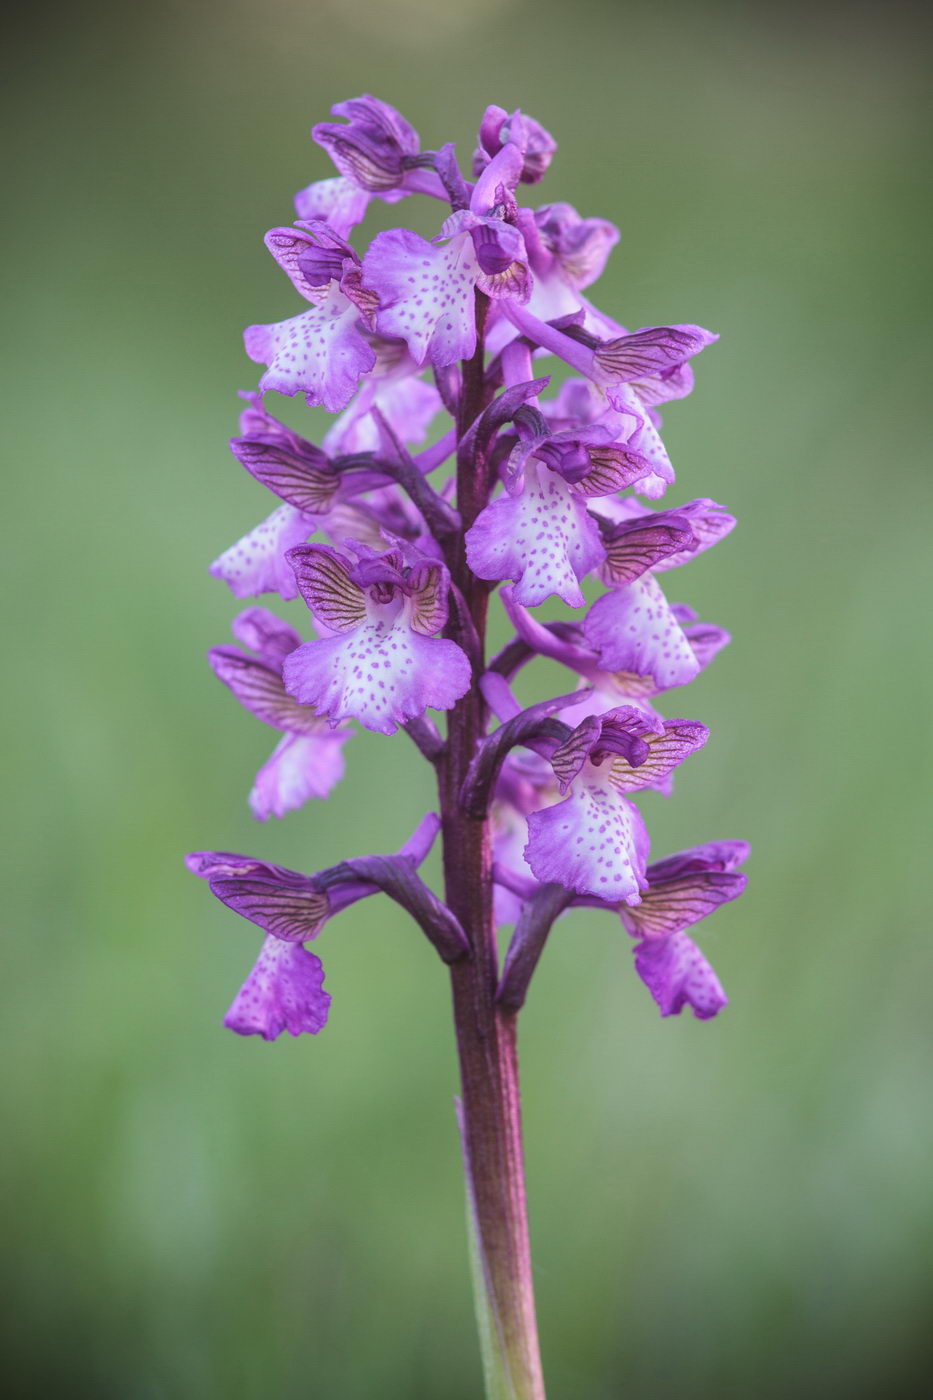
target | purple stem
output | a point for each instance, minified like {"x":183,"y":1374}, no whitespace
{"x":486,"y":1031}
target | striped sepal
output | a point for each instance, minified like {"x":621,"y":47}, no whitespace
{"x":308,"y":485}
{"x":428,"y":584}
{"x":261,"y":691}
{"x":680,"y":738}
{"x":323,"y":578}
{"x":636,"y":548}
{"x":573,"y":752}
{"x":649,"y":352}
{"x":676,"y":904}
{"x":288,"y":246}
{"x":286,"y":911}
{"x":212,"y":864}
{"x":612,"y":469}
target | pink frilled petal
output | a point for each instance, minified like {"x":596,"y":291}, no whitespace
{"x":593,"y":842}
{"x":284,"y":992}
{"x":543,"y":539}
{"x":340,"y":202}
{"x":425,"y":293}
{"x":301,"y":767}
{"x":322,"y":353}
{"x":633,"y":629}
{"x":407,"y":404}
{"x":257,"y":564}
{"x":380,"y":673}
{"x":677,"y":975}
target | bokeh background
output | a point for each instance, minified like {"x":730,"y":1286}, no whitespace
{"x":736,"y":1208}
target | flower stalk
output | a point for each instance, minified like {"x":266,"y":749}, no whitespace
{"x":537,"y":805}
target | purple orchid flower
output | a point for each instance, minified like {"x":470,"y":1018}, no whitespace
{"x":595,"y":842}
{"x":307,"y":762}
{"x":285,"y":989}
{"x":378,"y":155}
{"x":322,"y":352}
{"x":426,"y":291}
{"x":526,"y":784}
{"x":682,"y":889}
{"x":629,"y":373}
{"x":375,"y":149}
{"x":301,"y":476}
{"x":401,"y":534}
{"x":633,"y":628}
{"x":604,"y":688}
{"x":405,"y":402}
{"x":384,"y":665}
{"x":541,"y":534}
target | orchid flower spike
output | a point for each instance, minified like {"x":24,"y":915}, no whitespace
{"x":460,"y":476}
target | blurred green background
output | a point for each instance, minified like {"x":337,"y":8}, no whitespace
{"x":737,"y":1208}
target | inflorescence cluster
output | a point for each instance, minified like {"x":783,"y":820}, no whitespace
{"x":397,"y":546}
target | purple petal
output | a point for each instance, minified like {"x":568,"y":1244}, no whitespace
{"x":498,"y":128}
{"x":713,"y":855}
{"x":652,"y":352}
{"x":267,"y":635}
{"x":593,"y":842}
{"x":290,"y":909}
{"x":569,"y":758}
{"x":426,"y":293}
{"x":580,"y":246}
{"x":678,"y":739}
{"x":320,"y":353}
{"x":260,"y":690}
{"x":677,"y":975}
{"x":674,"y":904}
{"x":307,"y":264}
{"x":208,"y":864}
{"x":635,"y":546}
{"x":662,"y":388}
{"x":633,"y":629}
{"x":646,"y":441}
{"x":305,"y":480}
{"x":428,"y":585}
{"x":339,"y":201}
{"x":406,"y":403}
{"x":323,"y":578}
{"x":301,"y":767}
{"x":371,"y":148}
{"x":709,"y":523}
{"x":544,"y":539}
{"x":380,"y":673}
{"x":257,"y":563}
{"x":706,"y":641}
{"x":284,"y":992}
